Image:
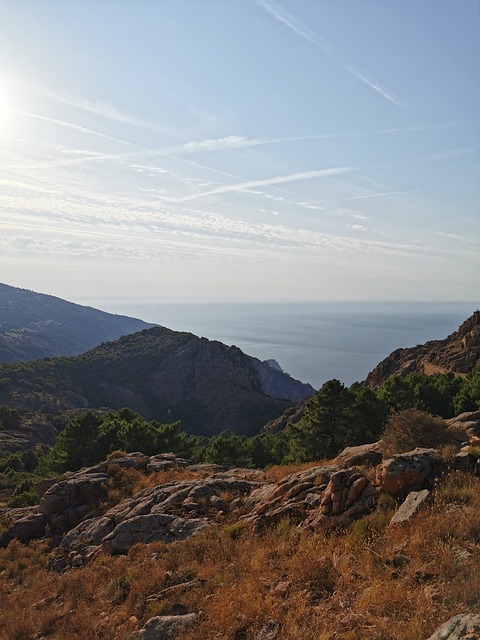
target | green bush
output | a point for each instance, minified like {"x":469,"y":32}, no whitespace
{"x":23,"y":495}
{"x":367,"y":528}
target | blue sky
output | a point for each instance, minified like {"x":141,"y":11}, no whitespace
{"x":295,"y":150}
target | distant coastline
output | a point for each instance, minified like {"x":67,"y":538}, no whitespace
{"x":313,"y":341}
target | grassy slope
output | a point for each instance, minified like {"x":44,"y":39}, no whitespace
{"x":369,"y":582}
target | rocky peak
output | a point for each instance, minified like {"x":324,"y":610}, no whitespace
{"x":459,"y":352}
{"x":278,"y":384}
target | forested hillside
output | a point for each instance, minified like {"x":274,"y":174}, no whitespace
{"x":163,"y":375}
{"x":34,"y":325}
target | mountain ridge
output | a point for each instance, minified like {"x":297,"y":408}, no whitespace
{"x":163,"y":375}
{"x":459,"y":352}
{"x":37,"y":325}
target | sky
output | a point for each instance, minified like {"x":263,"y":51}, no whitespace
{"x":241,"y":149}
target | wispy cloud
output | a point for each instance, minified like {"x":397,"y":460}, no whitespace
{"x":273,"y":213}
{"x":226,"y":143}
{"x":252,"y":184}
{"x":70,"y":125}
{"x":456,"y":236}
{"x":217,"y":144}
{"x":384,"y":194}
{"x":150,"y":168}
{"x":237,"y":141}
{"x":86,"y":153}
{"x":56,"y":164}
{"x":358,"y":227}
{"x":448,"y":154}
{"x":303,"y":31}
{"x":295,"y":25}
{"x":114,"y":220}
{"x":104,"y":110}
{"x":376,"y":86}
{"x":71,"y":157}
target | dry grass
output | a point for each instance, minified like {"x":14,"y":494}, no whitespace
{"x":275,"y":474}
{"x":124,"y":483}
{"x":392,"y":584}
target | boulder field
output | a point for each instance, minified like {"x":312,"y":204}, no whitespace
{"x":75,"y":510}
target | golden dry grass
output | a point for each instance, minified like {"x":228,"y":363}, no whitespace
{"x":375,"y":583}
{"x":277,"y":473}
{"x":124,"y":483}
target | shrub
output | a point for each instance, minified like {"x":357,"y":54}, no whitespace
{"x":23,"y":495}
{"x":474,"y":451}
{"x":118,"y":453}
{"x":368,"y":528}
{"x":457,"y":488}
{"x":24,"y":499}
{"x":412,"y":428}
{"x":235,"y":529}
{"x":386,"y":503}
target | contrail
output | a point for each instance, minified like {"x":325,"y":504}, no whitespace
{"x":303,"y":31}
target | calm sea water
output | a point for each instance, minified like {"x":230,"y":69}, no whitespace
{"x":312,"y":341}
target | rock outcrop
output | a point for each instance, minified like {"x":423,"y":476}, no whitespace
{"x":165,"y":627}
{"x":278,"y":384}
{"x":360,"y":456}
{"x":465,"y":626}
{"x":73,"y":508}
{"x":405,"y":472}
{"x":167,"y":512}
{"x":291,"y":498}
{"x":460,"y":353}
{"x":414,"y":502}
{"x":23,"y":523}
{"x":67,"y":502}
{"x":152,"y":527}
{"x":347,"y":496}
{"x":465,"y":427}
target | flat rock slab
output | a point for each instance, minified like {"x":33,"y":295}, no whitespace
{"x":166,"y":627}
{"x":87,"y":533}
{"x":414,"y":502}
{"x":465,"y":626}
{"x":151,"y":528}
{"x":25,"y":524}
{"x":362,"y":455}
{"x":78,"y":490}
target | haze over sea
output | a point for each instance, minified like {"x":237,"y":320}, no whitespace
{"x":312,"y":341}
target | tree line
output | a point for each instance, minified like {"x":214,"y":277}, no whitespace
{"x":333,"y":418}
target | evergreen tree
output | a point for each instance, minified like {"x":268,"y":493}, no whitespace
{"x":468,"y":396}
{"x":335,"y":417}
{"x":227,"y":448}
{"x":326,"y":420}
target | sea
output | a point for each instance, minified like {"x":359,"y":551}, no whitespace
{"x":312,"y":341}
